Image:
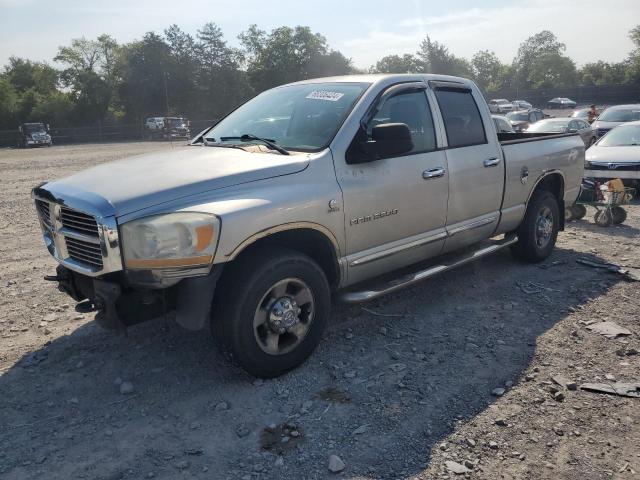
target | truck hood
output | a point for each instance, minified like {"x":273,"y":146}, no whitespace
{"x":627,"y":154}
{"x":128,"y":185}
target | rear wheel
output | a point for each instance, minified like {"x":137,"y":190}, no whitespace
{"x":271,"y":310}
{"x":538,"y":231}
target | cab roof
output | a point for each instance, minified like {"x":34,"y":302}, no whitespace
{"x":375,"y":78}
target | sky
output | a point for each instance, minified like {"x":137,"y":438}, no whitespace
{"x":364,"y":31}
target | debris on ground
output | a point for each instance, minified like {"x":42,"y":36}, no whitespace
{"x":455,"y":467}
{"x":336,"y":464}
{"x":622,"y":389}
{"x":631,"y":274}
{"x":608,"y":329}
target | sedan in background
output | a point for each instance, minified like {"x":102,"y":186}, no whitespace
{"x":616,"y":155}
{"x":503,"y":125}
{"x":521,"y":105}
{"x":500,"y":105}
{"x":521,"y":120}
{"x":614,"y":116}
{"x":561,"y":102}
{"x":566,"y":125}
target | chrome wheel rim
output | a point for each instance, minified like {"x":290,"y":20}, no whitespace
{"x":544,"y":227}
{"x":283,"y":316}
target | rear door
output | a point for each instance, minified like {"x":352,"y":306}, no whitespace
{"x":476,"y":169}
{"x":395,"y":208}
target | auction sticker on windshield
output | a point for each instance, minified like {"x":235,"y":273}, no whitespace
{"x":325,"y":95}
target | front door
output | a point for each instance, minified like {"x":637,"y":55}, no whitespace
{"x":476,"y":168}
{"x":395,"y":208}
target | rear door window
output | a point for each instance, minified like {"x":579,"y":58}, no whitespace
{"x":462,"y":119}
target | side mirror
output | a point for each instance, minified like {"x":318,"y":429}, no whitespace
{"x":48,"y":127}
{"x":20,"y":128}
{"x":389,"y":140}
{"x":572,"y":130}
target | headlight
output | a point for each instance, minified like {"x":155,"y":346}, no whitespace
{"x":184,"y":239}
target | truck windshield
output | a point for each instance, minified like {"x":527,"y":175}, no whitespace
{"x":176,"y":122}
{"x":622,"y":136}
{"x":620,"y":115}
{"x":34,"y":128}
{"x":302,"y":117}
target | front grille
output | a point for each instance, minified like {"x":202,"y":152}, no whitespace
{"x":84,"y":252}
{"x":78,"y":222}
{"x":44,"y":213}
{"x":73,"y":231}
{"x":616,"y":166}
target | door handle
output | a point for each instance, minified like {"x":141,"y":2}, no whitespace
{"x":491,"y":162}
{"x":433,"y":173}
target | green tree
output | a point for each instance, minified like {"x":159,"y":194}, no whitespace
{"x":221,"y":83}
{"x":8,"y":104}
{"x":406,"y":63}
{"x":25,"y":74}
{"x":549,"y":70}
{"x":183,"y":69}
{"x":602,"y":73}
{"x":488,"y":70}
{"x":144,"y":89}
{"x":93,"y":71}
{"x":541,"y":44}
{"x":434,"y":57}
{"x":287,"y":55}
{"x":633,"y":62}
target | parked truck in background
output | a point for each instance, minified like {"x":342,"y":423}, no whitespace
{"x":35,"y":134}
{"x":350,"y":186}
{"x":167,"y":128}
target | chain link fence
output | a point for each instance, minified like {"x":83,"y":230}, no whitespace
{"x":584,"y":96}
{"x":96,"y":134}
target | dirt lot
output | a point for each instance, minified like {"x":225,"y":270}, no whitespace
{"x":397,"y":388}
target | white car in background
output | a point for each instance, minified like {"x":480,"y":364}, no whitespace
{"x":503,"y":125}
{"x":616,"y":155}
{"x":500,"y":105}
{"x":521,"y":105}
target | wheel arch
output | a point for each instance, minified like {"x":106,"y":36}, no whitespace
{"x":551,"y":181}
{"x":312,"y":239}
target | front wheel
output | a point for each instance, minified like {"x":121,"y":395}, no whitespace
{"x":538,"y":231}
{"x":271,"y":310}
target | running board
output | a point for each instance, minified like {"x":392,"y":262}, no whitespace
{"x":451,"y":262}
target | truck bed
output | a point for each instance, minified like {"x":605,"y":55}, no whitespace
{"x":522,"y":137}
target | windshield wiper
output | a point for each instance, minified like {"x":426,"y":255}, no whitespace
{"x":247,"y":137}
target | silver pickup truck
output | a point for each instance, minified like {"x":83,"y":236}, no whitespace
{"x":349,"y":186}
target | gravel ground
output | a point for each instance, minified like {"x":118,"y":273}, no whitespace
{"x":397,"y":388}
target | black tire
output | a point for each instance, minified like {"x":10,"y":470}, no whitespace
{"x":529,"y":248}
{"x":578,"y":212}
{"x":619,"y":215}
{"x":603,"y":218}
{"x":243,"y":289}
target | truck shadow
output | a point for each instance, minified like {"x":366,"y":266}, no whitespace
{"x":389,"y":381}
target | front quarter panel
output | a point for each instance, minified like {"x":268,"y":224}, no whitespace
{"x":253,"y":210}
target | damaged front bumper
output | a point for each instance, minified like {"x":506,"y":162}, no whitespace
{"x":120,"y":304}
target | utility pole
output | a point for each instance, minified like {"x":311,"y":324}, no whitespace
{"x":166,"y":95}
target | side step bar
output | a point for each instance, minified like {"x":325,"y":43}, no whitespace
{"x":450,"y":262}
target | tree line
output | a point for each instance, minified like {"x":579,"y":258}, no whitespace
{"x":175,"y":73}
